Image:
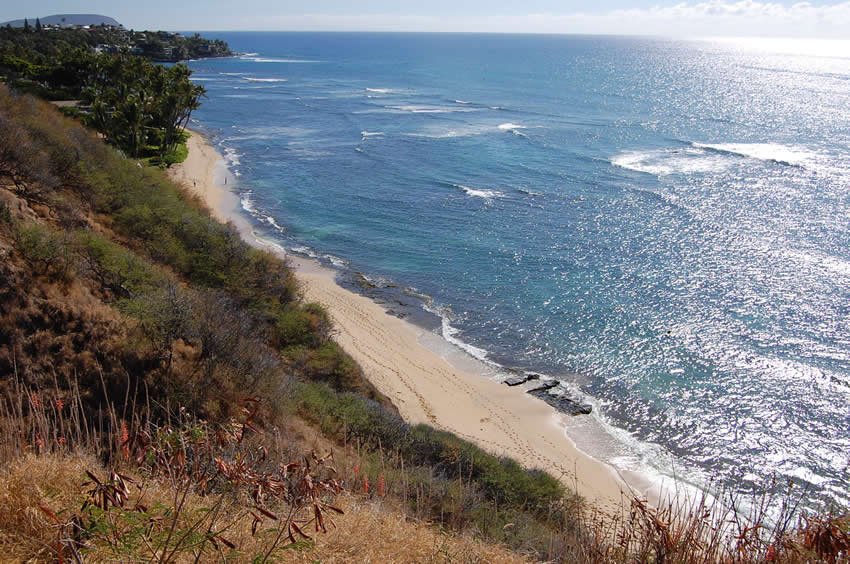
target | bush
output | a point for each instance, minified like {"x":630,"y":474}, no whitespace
{"x":44,"y":249}
{"x":176,"y":155}
{"x":297,"y":327}
{"x":349,"y":416}
{"x":120,"y":271}
{"x":5,"y":213}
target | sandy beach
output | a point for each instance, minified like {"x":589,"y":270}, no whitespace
{"x":429,"y":380}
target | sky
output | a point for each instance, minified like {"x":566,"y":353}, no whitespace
{"x":678,"y":18}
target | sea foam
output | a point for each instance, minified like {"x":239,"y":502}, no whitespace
{"x":276,"y":60}
{"x":707,"y":157}
{"x":663,"y":162}
{"x":773,"y":152}
{"x":511,"y":126}
{"x":484,"y":193}
{"x":425,"y":109}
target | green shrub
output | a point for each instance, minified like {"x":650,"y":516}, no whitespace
{"x":294,"y":327}
{"x":349,"y":416}
{"x":45,"y":249}
{"x":5,"y":213}
{"x":178,"y":154}
{"x":117,"y":269}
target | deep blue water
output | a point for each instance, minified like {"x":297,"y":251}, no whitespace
{"x":661,"y":224}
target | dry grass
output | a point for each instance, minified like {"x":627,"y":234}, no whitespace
{"x":34,"y":486}
{"x":375,"y":532}
{"x":187,"y":490}
{"x":29,"y":484}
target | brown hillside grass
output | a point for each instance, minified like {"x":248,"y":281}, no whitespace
{"x":43,"y":500}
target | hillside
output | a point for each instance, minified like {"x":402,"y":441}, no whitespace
{"x":125,"y":311}
{"x":67,"y":20}
{"x":167,"y":394}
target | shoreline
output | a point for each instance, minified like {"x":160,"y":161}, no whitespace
{"x":428,"y":379}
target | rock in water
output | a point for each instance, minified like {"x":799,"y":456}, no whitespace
{"x":516,"y":380}
{"x":543,"y":386}
{"x":522,"y":378}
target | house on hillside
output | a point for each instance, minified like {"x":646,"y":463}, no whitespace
{"x":109,"y":49}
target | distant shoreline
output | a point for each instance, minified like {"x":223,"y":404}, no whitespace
{"x":427,"y":378}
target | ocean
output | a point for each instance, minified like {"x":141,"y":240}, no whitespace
{"x":661,"y":225}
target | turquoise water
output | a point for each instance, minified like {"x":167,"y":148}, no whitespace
{"x":662,"y":225}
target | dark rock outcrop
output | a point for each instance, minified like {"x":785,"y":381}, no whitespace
{"x":522,"y":378}
{"x":563,"y":403}
{"x":543,"y":386}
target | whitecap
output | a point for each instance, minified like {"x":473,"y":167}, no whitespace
{"x":336,"y":261}
{"x":276,"y":60}
{"x":367,"y":134}
{"x":484,"y":193}
{"x":252,"y":79}
{"x":231,"y":156}
{"x":424,"y":109}
{"x":271,"y":221}
{"x":380,"y":90}
{"x":269,"y":132}
{"x":450,"y":134}
{"x":247,"y":203}
{"x":438,"y":131}
{"x":306,"y":251}
{"x":511,"y":126}
{"x":773,"y":152}
{"x":663,"y":162}
{"x":707,"y":158}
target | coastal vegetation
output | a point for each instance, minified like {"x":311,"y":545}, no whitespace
{"x":43,"y":44}
{"x":166,"y":394}
{"x":139,"y":106}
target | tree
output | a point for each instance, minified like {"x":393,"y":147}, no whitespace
{"x":38,"y":24}
{"x":180,"y":97}
{"x":121,"y":95}
{"x":26,"y":24}
{"x":137,"y":104}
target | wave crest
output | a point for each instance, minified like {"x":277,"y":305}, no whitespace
{"x":704,"y":158}
{"x":772,"y":152}
{"x":484,"y":193}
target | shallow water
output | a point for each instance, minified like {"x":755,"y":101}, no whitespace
{"x":661,"y":224}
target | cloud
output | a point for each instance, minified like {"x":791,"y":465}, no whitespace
{"x":711,"y":17}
